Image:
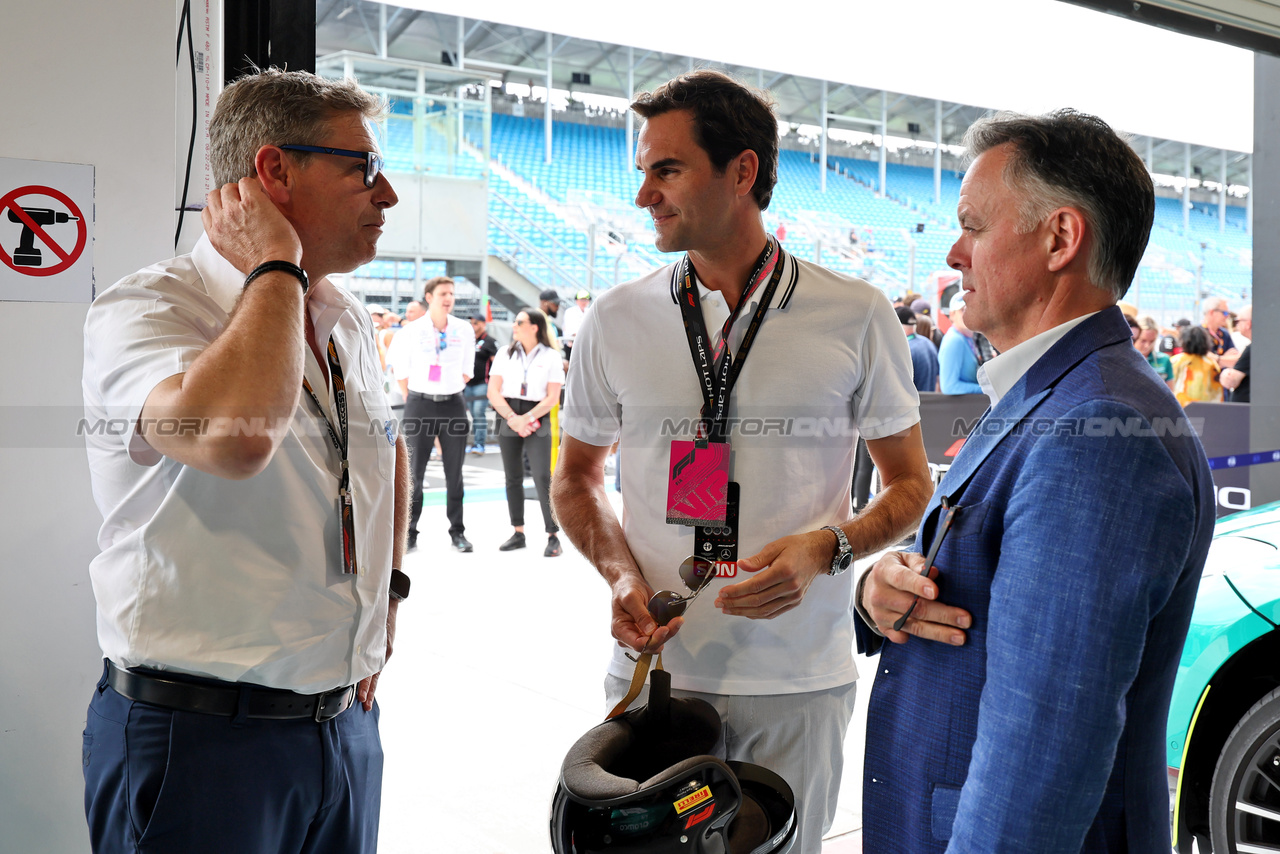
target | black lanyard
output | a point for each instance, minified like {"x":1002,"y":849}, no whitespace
{"x":718,"y":373}
{"x":341,"y":443}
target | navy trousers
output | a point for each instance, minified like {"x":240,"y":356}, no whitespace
{"x":158,"y":780}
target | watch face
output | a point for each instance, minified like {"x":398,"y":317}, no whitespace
{"x":844,"y":562}
{"x":399,"y":585}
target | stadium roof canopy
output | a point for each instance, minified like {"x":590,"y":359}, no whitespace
{"x":1164,"y":88}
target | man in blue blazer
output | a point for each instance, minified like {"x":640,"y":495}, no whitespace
{"x":1027,"y":714}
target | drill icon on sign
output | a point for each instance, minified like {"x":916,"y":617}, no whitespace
{"x":27,"y":255}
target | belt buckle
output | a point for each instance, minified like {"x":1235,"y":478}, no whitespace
{"x":334,"y":703}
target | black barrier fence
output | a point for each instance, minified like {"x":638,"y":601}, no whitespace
{"x":946,"y":420}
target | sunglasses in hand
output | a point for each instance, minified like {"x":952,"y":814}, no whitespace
{"x":949,"y":511}
{"x":696,"y":573}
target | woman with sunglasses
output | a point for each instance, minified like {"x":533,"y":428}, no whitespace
{"x":524,"y":383}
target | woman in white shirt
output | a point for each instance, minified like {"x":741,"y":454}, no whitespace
{"x":524,"y":383}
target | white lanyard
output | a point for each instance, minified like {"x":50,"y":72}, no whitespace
{"x":527,"y":363}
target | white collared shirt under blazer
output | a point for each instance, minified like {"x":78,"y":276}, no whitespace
{"x":236,"y":580}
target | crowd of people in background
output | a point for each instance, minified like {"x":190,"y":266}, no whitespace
{"x":1206,"y":362}
{"x":521,"y":382}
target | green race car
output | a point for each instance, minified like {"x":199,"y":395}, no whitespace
{"x":1224,"y":720}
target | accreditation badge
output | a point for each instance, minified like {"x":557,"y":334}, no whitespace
{"x":698,"y":483}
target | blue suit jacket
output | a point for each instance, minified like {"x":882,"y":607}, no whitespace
{"x":1087,"y":510}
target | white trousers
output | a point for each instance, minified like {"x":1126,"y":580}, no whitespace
{"x":799,"y":737}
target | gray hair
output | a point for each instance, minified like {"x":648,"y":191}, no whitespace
{"x":1211,"y":304}
{"x":275,"y":107}
{"x":1071,"y":159}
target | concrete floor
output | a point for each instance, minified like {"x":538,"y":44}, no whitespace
{"x":498,"y":670}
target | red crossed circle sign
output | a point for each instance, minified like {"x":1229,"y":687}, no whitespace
{"x":66,"y":257}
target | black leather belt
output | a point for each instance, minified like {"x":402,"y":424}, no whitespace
{"x":224,"y":699}
{"x":436,"y":398}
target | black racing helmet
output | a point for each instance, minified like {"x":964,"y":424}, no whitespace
{"x":645,"y":783}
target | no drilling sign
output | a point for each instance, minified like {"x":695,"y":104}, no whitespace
{"x":31,"y":207}
{"x":46,"y":231}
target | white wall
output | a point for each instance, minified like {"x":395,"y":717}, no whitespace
{"x":85,"y":83}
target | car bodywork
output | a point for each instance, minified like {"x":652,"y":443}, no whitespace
{"x":1231,"y":659}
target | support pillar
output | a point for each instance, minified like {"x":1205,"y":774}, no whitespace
{"x":1186,"y":190}
{"x":1222,"y":196}
{"x":459,"y":58}
{"x":631,"y":114}
{"x":884,"y":137}
{"x":937,"y":152}
{"x":822,"y":140}
{"x":1264,"y":183}
{"x":1248,"y":202}
{"x":420,"y":124}
{"x":382,"y":30}
{"x":546,"y":119}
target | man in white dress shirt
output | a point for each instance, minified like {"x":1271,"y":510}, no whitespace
{"x":255,"y":511}
{"x":433,"y":360}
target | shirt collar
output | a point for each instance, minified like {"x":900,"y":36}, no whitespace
{"x":1002,"y":373}
{"x":225,"y":283}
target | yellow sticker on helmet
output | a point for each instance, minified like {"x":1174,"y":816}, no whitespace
{"x":690,"y":801}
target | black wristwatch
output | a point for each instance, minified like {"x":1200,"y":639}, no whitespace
{"x":399,"y":585}
{"x":844,"y":552}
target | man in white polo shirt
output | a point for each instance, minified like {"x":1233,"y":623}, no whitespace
{"x":770,"y":646}
{"x":432,"y":360}
{"x":254,"y":513}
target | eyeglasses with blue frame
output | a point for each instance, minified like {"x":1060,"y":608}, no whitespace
{"x":373,"y":162}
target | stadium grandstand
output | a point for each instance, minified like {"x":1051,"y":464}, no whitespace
{"x":868,"y":180}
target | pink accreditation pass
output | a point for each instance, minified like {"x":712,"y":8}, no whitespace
{"x":433,"y":374}
{"x":697,"y":489}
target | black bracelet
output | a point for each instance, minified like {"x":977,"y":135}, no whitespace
{"x":283,"y":267}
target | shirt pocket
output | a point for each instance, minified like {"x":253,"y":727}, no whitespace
{"x":381,"y":428}
{"x":944,"y":803}
{"x":970,"y":519}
